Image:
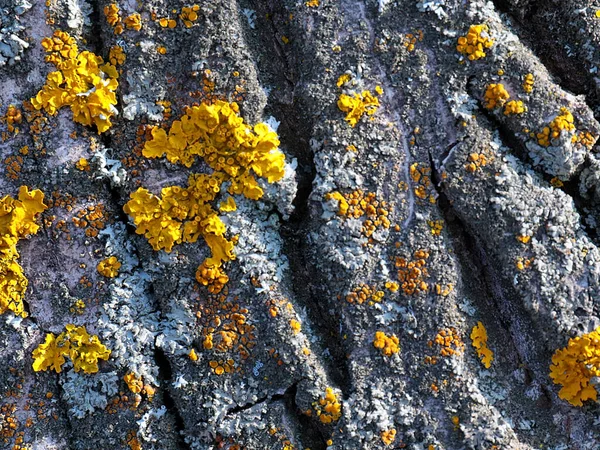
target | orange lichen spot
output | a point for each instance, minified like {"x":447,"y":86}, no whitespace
{"x":475,"y":161}
{"x":420,"y":174}
{"x":585,"y":138}
{"x":12,"y":117}
{"x":388,"y":436}
{"x":514,"y":107}
{"x":389,"y":345}
{"x":285,"y":40}
{"x":161,"y":49}
{"x":295,"y":326}
{"x":328,"y":408}
{"x":357,"y":105}
{"x":528,"y":82}
{"x":456,"y":422}
{"x":17,"y":221}
{"x":449,"y":341}
{"x":192,"y":355}
{"x":83,"y":165}
{"x":436,"y":226}
{"x":112,"y":14}
{"x":574,"y":366}
{"x":133,"y":442}
{"x":479,"y":339}
{"x":357,"y":204}
{"x":495,"y":96}
{"x":83,"y":349}
{"x":410,"y":41}
{"x":164,"y":22}
{"x":133,"y":22}
{"x":412,"y":274}
{"x":363,"y":292}
{"x":392,"y":286}
{"x":475,"y":42}
{"x":562,"y":122}
{"x":524,"y":239}
{"x":556,"y":182}
{"x":189,"y":14}
{"x":312,"y":3}
{"x":83,"y":82}
{"x":109,"y":267}
{"x":116,"y":55}
{"x":134,"y":382}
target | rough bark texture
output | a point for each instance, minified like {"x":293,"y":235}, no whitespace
{"x":510,"y":242}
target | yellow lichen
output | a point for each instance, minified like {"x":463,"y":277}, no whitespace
{"x":109,"y":267}
{"x":528,"y":83}
{"x":574,"y":366}
{"x":295,"y":326}
{"x":389,"y":345}
{"x":83,"y":82}
{"x":475,"y":42}
{"x":17,"y":221}
{"x":495,"y":96}
{"x":83,"y":350}
{"x":236,"y":152}
{"x":133,"y":22}
{"x":388,"y":436}
{"x":189,"y":14}
{"x":134,"y":382}
{"x":355,"y":106}
{"x":328,"y":408}
{"x":562,"y":122}
{"x":514,"y":107}
{"x":479,"y":339}
{"x":116,"y":55}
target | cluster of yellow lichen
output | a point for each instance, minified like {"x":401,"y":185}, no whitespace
{"x":357,"y":204}
{"x":410,"y":40}
{"x":574,"y":366}
{"x":475,"y":42}
{"x":420,"y":174}
{"x":562,"y":122}
{"x":83,"y":82}
{"x":389,"y":345}
{"x":514,"y":107}
{"x":436,"y":227}
{"x":235,"y":151}
{"x":449,"y":342}
{"x":116,"y":55}
{"x":109,"y":267}
{"x":363,"y":292}
{"x":113,"y":17}
{"x":12,"y":117}
{"x":412,"y":274}
{"x":83,"y":349}
{"x":495,"y":96}
{"x":188,"y":15}
{"x":388,"y":436}
{"x":479,"y":339}
{"x":17,"y":221}
{"x":475,"y":161}
{"x":528,"y":83}
{"x":328,"y":408}
{"x":357,"y":105}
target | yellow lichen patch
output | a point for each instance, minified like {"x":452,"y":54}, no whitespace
{"x":449,"y":341}
{"x":189,"y":14}
{"x":388,"y":436}
{"x":363,"y":292}
{"x":109,"y":267}
{"x":514,"y":107}
{"x":562,"y":122}
{"x":357,"y":204}
{"x":133,"y":22}
{"x":523,"y":263}
{"x":343,"y":79}
{"x":134,"y":382}
{"x":420,"y":174}
{"x":328,"y":408}
{"x":475,"y":42}
{"x":228,"y":205}
{"x":412,"y":274}
{"x":295,"y":326}
{"x":83,"y":82}
{"x":410,"y":40}
{"x":113,"y":17}
{"x":312,"y":3}
{"x":522,"y":238}
{"x":357,"y":105}
{"x":17,"y":221}
{"x":495,"y":96}
{"x":475,"y":161}
{"x":83,"y":165}
{"x":83,"y":350}
{"x":479,"y":339}
{"x":116,"y":55}
{"x":436,"y":226}
{"x":574,"y":366}
{"x":389,"y":345}
{"x":585,"y":138}
{"x":528,"y":83}
{"x":192,"y":355}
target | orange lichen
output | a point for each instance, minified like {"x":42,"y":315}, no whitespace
{"x":109,"y":267}
{"x":83,"y":350}
{"x":475,"y":42}
{"x":495,"y":96}
{"x":17,"y":221}
{"x":328,"y":408}
{"x":116,"y":55}
{"x":357,"y":204}
{"x":562,"y":122}
{"x":479,"y":341}
{"x":189,"y":15}
{"x":528,"y":83}
{"x":389,"y":345}
{"x":449,"y":341}
{"x":134,"y":382}
{"x":420,"y":174}
{"x":83,"y":82}
{"x":574,"y":367}
{"x":363,"y":292}
{"x":514,"y":107}
{"x":412,"y":274}
{"x":388,"y":436}
{"x":133,"y":22}
{"x":475,"y":161}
